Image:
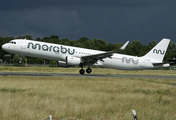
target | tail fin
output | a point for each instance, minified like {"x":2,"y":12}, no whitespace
{"x":158,"y":52}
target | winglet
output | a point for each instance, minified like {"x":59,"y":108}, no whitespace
{"x":124,"y":46}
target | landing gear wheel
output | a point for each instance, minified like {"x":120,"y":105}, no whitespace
{"x":82,"y":71}
{"x":88,"y":70}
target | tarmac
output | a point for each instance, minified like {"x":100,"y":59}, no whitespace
{"x":166,"y":77}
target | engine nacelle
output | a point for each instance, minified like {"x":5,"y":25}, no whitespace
{"x":73,"y":60}
{"x":62,"y":64}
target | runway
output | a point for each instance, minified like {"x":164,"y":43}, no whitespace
{"x":167,"y":77}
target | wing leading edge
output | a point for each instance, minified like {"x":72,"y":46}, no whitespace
{"x":95,"y":57}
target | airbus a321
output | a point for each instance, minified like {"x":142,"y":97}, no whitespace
{"x":75,"y":56}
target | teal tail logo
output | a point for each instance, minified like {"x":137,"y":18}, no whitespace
{"x":158,"y":51}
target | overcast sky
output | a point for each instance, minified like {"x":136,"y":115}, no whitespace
{"x":116,"y":21}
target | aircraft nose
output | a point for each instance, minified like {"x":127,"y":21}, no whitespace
{"x":4,"y":46}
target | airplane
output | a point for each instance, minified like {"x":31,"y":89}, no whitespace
{"x":76,"y":56}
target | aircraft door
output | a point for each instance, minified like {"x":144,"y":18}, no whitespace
{"x":142,"y":63}
{"x":23,"y":44}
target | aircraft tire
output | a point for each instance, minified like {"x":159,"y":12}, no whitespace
{"x":82,"y":71}
{"x":88,"y":70}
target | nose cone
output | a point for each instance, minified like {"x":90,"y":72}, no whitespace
{"x":5,"y":47}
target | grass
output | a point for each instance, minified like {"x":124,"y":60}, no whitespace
{"x":29,"y":98}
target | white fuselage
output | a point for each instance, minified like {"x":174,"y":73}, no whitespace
{"x":59,"y":52}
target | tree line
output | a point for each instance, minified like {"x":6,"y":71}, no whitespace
{"x":135,"y":48}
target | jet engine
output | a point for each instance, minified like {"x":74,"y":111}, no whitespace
{"x":73,"y":60}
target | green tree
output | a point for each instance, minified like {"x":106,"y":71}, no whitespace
{"x":135,"y":48}
{"x":17,"y":58}
{"x":52,"y":64}
{"x":171,"y":51}
{"x":65,"y":41}
{"x":54,"y":36}
{"x":152,"y":44}
{"x":83,"y":40}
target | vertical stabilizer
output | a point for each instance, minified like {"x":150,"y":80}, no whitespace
{"x":158,"y":52}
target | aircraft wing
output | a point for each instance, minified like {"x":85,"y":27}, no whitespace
{"x":94,"y":58}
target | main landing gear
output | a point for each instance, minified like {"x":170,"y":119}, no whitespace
{"x":82,"y":71}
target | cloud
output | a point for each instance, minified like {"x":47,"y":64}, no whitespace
{"x":43,"y":21}
{"x":33,"y":4}
{"x":115,"y":20}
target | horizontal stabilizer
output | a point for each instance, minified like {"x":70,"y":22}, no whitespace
{"x":158,"y":63}
{"x":161,"y":64}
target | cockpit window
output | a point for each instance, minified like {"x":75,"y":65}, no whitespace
{"x":12,"y":42}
